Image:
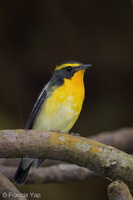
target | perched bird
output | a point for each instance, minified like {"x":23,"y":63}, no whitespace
{"x":57,"y":107}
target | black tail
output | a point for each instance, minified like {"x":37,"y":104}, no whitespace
{"x":22,"y":171}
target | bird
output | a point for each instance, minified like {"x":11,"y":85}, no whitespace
{"x":57,"y":107}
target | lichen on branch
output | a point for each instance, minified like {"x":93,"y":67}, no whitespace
{"x":104,"y":160}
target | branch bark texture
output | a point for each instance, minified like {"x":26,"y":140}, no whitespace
{"x":119,"y":191}
{"x":104,"y":160}
{"x":53,"y":174}
{"x":121,"y":139}
{"x":8,"y":190}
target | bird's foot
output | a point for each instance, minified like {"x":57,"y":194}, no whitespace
{"x":75,"y":134}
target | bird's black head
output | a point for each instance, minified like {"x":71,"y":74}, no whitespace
{"x":67,"y":70}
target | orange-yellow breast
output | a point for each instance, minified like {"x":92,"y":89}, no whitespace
{"x":62,"y":108}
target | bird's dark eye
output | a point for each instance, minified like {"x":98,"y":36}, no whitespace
{"x":69,"y":68}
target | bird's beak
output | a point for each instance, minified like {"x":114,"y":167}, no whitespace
{"x":85,"y":66}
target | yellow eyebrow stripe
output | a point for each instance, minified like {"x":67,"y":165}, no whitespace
{"x":66,"y":65}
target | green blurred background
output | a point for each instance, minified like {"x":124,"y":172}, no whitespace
{"x":38,"y":35}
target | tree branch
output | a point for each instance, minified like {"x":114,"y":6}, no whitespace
{"x":104,"y":160}
{"x":119,"y":191}
{"x":56,"y":174}
{"x":121,"y":139}
{"x":8,"y":190}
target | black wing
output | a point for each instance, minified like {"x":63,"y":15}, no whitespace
{"x":41,"y":98}
{"x":56,"y":80}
